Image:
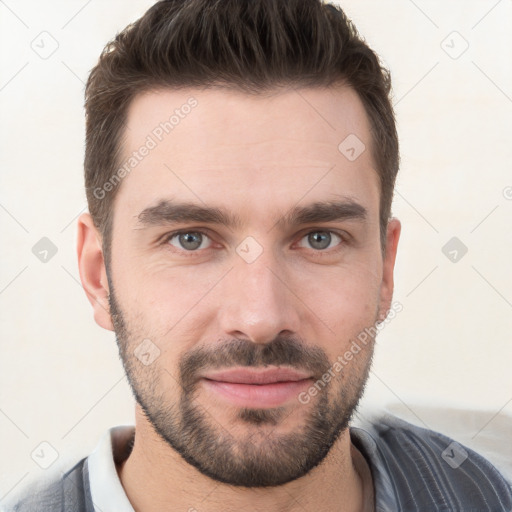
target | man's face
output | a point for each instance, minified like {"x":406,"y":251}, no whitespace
{"x":286,"y":284}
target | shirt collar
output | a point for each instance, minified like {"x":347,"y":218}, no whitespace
{"x":107,"y":492}
{"x":384,"y":488}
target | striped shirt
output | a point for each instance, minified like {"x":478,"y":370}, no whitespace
{"x":413,"y":470}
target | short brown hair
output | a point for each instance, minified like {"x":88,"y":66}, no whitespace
{"x":252,"y":46}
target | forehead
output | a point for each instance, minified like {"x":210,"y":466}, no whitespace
{"x":259,"y":152}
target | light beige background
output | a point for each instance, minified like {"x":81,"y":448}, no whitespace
{"x":450,"y":348}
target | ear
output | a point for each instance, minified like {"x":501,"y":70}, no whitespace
{"x":92,"y":269}
{"x":387,"y":285}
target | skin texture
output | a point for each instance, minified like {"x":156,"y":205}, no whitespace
{"x":296,"y":304}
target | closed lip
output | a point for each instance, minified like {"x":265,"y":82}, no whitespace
{"x":253,"y":376}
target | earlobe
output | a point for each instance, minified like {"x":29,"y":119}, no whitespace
{"x":387,"y":285}
{"x":92,"y":269}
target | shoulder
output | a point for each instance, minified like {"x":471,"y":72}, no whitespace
{"x":68,"y":491}
{"x":419,"y":466}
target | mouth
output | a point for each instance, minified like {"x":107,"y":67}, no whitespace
{"x":266,"y":388}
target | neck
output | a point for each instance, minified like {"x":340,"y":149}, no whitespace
{"x":156,"y":478}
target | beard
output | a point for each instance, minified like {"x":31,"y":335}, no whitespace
{"x":253,"y":452}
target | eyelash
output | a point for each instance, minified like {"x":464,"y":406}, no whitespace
{"x":344,"y":240}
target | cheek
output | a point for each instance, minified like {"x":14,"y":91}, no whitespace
{"x":348,"y":293}
{"x":163,"y":294}
{"x":347,"y":302}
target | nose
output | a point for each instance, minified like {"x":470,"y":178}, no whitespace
{"x":258,"y":301}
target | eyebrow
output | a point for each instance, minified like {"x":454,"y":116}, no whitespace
{"x":168,"y":212}
{"x":326,"y":211}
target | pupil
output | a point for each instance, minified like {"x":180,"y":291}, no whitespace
{"x":320,"y":239}
{"x":190,"y":240}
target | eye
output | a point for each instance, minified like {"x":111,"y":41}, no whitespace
{"x":321,"y":240}
{"x":188,"y":240}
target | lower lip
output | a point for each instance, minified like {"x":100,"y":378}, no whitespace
{"x":258,"y":395}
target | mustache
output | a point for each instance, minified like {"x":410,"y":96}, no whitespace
{"x":281,"y":351}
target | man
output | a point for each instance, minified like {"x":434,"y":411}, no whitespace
{"x":240,"y":164}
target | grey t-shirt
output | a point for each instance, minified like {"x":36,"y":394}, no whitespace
{"x":413,"y":470}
